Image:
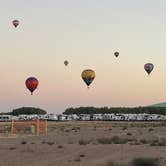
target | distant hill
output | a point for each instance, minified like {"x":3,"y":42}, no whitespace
{"x":158,"y":105}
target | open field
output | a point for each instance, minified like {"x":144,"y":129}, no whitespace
{"x":86,"y":144}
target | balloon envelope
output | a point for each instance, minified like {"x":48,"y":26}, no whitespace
{"x":148,"y":67}
{"x":66,"y":63}
{"x":31,"y":83}
{"x":88,"y":76}
{"x":116,"y":54}
{"x":15,"y":23}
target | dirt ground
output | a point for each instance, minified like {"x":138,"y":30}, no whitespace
{"x":86,"y":144}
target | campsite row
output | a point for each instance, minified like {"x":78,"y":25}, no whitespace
{"x":87,"y":117}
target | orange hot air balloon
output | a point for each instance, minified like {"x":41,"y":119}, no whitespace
{"x":88,"y":76}
{"x":15,"y":23}
{"x":31,"y":84}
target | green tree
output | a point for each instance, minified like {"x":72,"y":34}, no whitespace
{"x":124,"y":110}
{"x":28,"y":111}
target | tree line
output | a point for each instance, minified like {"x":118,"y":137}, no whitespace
{"x":124,"y":110}
{"x":25,"y":111}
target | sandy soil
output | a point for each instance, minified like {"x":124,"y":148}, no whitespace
{"x":86,"y":144}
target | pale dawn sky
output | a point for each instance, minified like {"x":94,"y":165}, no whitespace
{"x":86,"y":33}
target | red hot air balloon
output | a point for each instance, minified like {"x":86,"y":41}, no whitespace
{"x":15,"y":23}
{"x":148,"y":67}
{"x":31,"y":83}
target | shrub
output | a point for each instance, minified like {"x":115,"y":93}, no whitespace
{"x":143,"y":141}
{"x":94,"y":128}
{"x":50,"y":143}
{"x":129,"y":133}
{"x":111,"y":163}
{"x":23,"y":142}
{"x":43,"y":142}
{"x":12,"y":148}
{"x":151,"y":129}
{"x":83,"y":142}
{"x":162,"y":142}
{"x":62,"y":129}
{"x":144,"y":162}
{"x":153,"y":144}
{"x":104,"y":140}
{"x":60,"y":146}
{"x":113,"y":140}
{"x":124,"y":128}
{"x":67,"y":130}
{"x":135,"y":143}
{"x":82,"y":155}
{"x":118,"y":140}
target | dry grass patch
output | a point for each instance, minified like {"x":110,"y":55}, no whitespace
{"x":113,"y":140}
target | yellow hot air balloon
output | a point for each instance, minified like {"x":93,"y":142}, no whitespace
{"x":88,"y":76}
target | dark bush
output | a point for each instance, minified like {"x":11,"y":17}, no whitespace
{"x":119,"y":140}
{"x":60,"y":147}
{"x":50,"y":143}
{"x":145,"y":162}
{"x":104,"y":140}
{"x":129,"y":134}
{"x":143,"y":141}
{"x":23,"y":142}
{"x":83,"y":142}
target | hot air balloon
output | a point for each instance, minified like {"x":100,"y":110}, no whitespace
{"x":31,"y":83}
{"x":15,"y":23}
{"x":88,"y":76}
{"x":148,"y":67}
{"x":116,"y":54}
{"x":66,"y":63}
